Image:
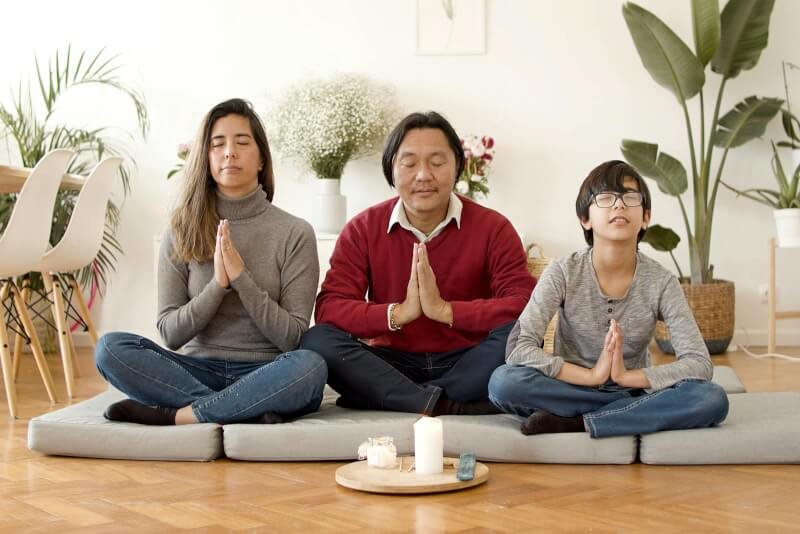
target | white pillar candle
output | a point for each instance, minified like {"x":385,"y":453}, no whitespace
{"x":428,"y":446}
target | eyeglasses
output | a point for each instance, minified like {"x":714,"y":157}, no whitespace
{"x":607,"y":199}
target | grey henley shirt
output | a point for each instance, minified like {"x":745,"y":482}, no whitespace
{"x":569,"y":287}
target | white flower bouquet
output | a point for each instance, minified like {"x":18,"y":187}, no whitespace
{"x":479,"y":154}
{"x":326,"y":122}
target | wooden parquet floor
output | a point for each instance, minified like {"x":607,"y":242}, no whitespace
{"x":40,"y":493}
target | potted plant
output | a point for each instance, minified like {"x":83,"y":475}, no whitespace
{"x":326,"y":122}
{"x":785,"y":201}
{"x":33,"y":126}
{"x":729,"y":42}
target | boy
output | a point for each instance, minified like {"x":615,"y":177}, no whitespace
{"x":608,"y":298}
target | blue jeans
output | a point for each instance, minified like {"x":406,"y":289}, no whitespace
{"x":218,"y":391}
{"x":378,"y":378}
{"x":609,"y":411}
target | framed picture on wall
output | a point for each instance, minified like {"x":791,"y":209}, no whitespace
{"x":456,"y":27}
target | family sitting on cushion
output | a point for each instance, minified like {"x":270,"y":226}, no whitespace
{"x":428,"y":306}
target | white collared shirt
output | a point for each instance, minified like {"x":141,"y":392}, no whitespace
{"x":399,"y":217}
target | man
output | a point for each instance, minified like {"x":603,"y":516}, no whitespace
{"x":444,"y":279}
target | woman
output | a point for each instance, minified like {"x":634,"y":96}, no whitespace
{"x":608,"y":298}
{"x":237,"y":278}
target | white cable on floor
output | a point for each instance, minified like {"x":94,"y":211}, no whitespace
{"x":744,"y":348}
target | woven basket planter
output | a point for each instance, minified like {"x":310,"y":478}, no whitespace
{"x":537,"y":263}
{"x":713,"y":308}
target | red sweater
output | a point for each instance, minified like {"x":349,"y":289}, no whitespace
{"x":480,"y":269}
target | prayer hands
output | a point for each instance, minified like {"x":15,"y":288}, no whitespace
{"x":231,"y":259}
{"x":618,"y":372}
{"x":422,"y":295}
{"x":219,"y":266}
{"x":602,"y":369}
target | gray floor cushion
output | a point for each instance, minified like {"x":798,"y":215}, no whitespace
{"x":334,"y":433}
{"x":727,"y":378}
{"x":761,"y":428}
{"x":81,"y":430}
{"x":496,"y":438}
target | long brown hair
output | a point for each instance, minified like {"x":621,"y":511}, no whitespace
{"x":194,"y":221}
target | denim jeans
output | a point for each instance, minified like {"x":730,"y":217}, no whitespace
{"x":218,"y":391}
{"x":609,"y":410}
{"x":377,"y":378}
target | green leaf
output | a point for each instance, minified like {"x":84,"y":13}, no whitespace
{"x":668,"y":172}
{"x":661,"y":238}
{"x":745,"y":30}
{"x":746,"y":121}
{"x":665,"y":56}
{"x":448,"y":8}
{"x":793,"y":133}
{"x":706,"y":26}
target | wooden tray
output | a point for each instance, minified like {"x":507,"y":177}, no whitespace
{"x":360,"y":476}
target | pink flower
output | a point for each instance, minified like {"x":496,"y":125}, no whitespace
{"x":184,"y":149}
{"x":487,"y":141}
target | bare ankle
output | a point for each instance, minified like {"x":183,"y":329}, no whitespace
{"x":185,"y":416}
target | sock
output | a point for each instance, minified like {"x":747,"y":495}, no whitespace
{"x":130,"y":411}
{"x":271,"y":418}
{"x":541,"y":422}
{"x":445,"y":406}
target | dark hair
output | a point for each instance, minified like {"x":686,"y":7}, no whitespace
{"x":238,"y":106}
{"x":608,"y":176}
{"x":429,"y":119}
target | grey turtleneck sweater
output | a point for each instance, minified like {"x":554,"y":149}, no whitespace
{"x":266,"y":309}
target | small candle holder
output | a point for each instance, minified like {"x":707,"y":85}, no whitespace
{"x":379,"y":452}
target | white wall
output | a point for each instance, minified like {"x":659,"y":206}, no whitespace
{"x":559,"y":86}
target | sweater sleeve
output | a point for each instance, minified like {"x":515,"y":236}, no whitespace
{"x":341,"y":302}
{"x":511,"y":285}
{"x":524,"y":345}
{"x":693,"y":360}
{"x":283,"y":318}
{"x":181,"y":318}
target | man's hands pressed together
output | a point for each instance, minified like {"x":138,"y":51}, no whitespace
{"x":422,"y":294}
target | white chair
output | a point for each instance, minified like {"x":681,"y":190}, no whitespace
{"x":76,"y":249}
{"x":22,"y":246}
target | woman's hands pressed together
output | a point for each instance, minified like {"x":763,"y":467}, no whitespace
{"x":228,"y":263}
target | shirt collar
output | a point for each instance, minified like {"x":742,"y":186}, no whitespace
{"x":399,"y":216}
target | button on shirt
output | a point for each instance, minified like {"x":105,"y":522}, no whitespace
{"x":399,"y":217}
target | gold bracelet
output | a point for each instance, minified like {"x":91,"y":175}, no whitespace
{"x":393,"y":326}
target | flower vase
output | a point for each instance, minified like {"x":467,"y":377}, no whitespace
{"x":330,"y":207}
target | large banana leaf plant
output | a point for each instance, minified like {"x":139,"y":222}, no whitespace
{"x":30,"y":122}
{"x":730,"y":42}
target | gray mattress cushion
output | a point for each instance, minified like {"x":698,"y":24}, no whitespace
{"x":496,"y":438}
{"x":727,"y":378}
{"x":761,"y":428}
{"x":334,"y":433}
{"x":81,"y":430}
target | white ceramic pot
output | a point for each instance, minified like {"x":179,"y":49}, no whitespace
{"x":330,"y":207}
{"x":787,"y":223}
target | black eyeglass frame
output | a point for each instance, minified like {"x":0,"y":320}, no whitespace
{"x":620,"y":196}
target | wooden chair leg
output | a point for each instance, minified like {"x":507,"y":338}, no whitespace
{"x":26,"y":296}
{"x":5,"y":357}
{"x":73,"y":354}
{"x":83,"y":308}
{"x":36,"y":347}
{"x":53,"y":287}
